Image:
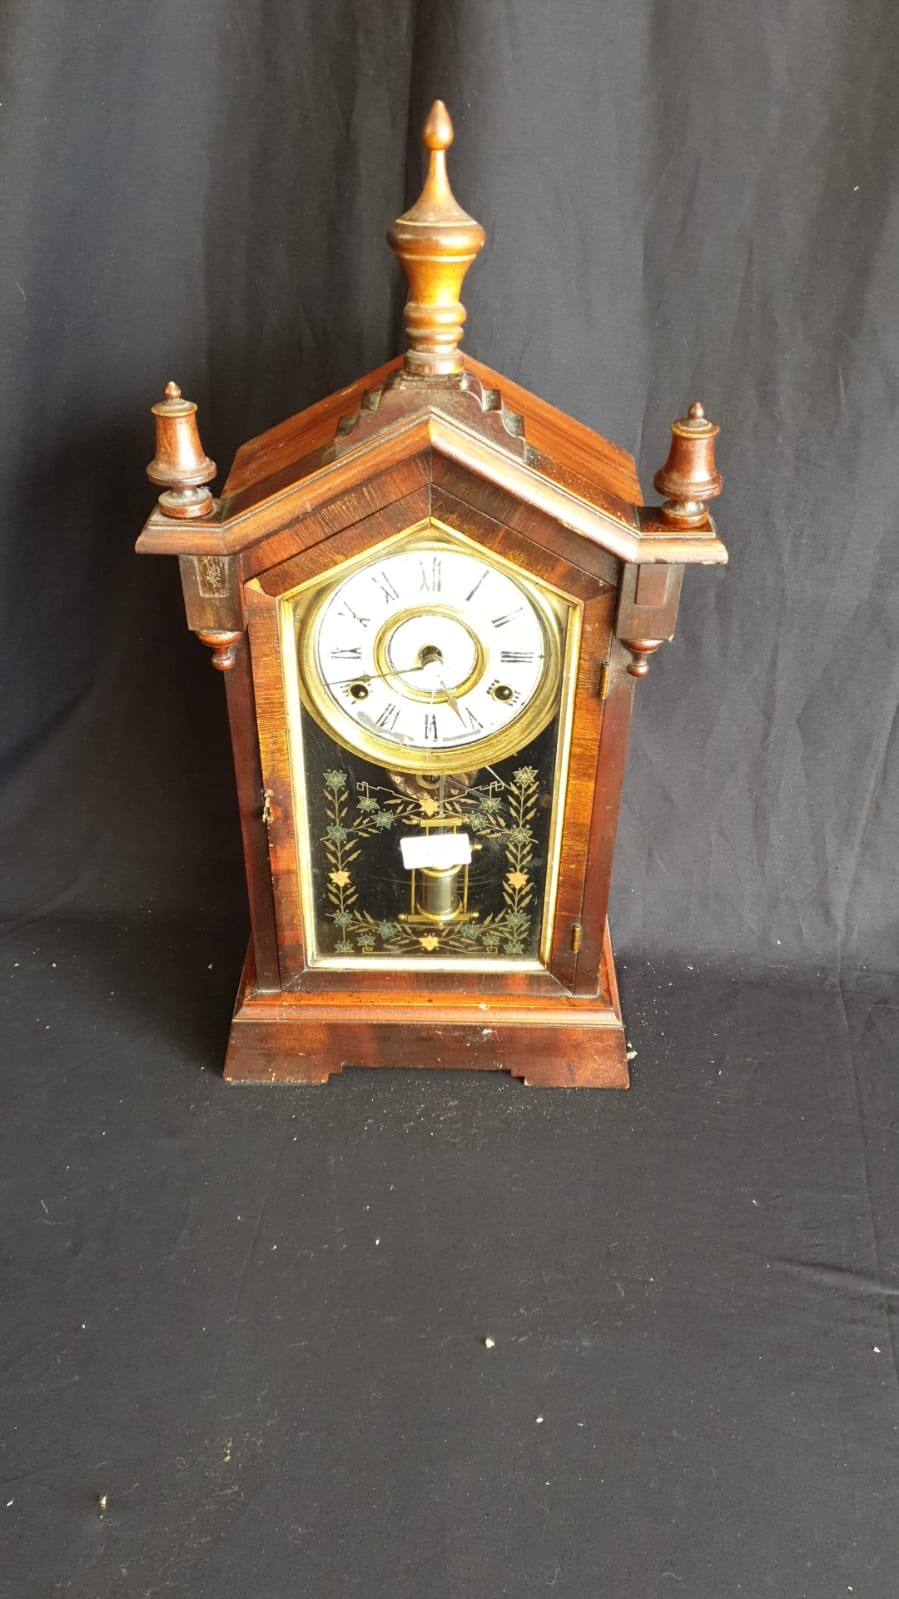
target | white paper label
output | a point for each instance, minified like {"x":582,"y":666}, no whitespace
{"x":436,"y":850}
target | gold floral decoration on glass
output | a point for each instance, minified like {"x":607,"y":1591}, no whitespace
{"x":499,"y":809}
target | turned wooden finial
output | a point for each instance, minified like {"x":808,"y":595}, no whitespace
{"x":436,"y":241}
{"x":689,"y":477}
{"x":180,"y":462}
{"x":223,"y":643}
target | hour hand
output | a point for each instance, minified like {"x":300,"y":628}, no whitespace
{"x":451,"y":700}
{"x":372,"y":677}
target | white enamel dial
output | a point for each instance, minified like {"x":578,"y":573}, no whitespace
{"x":429,"y":650}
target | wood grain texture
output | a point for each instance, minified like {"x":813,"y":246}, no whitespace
{"x":581,"y":898}
{"x":457,"y":495}
{"x":180,"y":464}
{"x":565,"y":440}
{"x":274,"y":756}
{"x":690,"y":477}
{"x":279,"y":449}
{"x":223,"y":644}
{"x":610,"y":758}
{"x":211,"y":587}
{"x":253,"y":806}
{"x":436,"y":242}
{"x":299,"y":1038}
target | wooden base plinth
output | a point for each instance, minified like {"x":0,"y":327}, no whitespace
{"x":558,"y":1041}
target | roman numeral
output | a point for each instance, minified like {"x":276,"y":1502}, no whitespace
{"x":431,"y":575}
{"x":352,"y":653}
{"x":382,"y":581}
{"x":348,"y":609}
{"x":431,"y":728}
{"x":474,"y":724}
{"x":500,"y":621}
{"x":514,"y":657}
{"x":389,"y":717}
{"x":485,"y":573}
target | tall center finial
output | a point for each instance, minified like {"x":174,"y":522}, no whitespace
{"x":436,"y":241}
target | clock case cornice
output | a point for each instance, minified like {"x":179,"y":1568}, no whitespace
{"x":485,"y":424}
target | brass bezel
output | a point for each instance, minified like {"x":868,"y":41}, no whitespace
{"x":307,"y":606}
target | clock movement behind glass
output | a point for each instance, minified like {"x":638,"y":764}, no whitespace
{"x":430,"y":595}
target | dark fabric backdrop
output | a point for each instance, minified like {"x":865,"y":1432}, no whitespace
{"x":692,"y":1284}
{"x":681,"y":201}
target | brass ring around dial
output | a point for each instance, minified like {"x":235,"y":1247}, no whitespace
{"x":306,"y":609}
{"x":384,"y":667}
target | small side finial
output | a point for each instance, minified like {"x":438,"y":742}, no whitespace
{"x":436,"y":241}
{"x":180,"y":463}
{"x":689,"y":477}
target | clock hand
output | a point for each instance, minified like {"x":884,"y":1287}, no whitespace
{"x":451,"y":700}
{"x":368,"y":677}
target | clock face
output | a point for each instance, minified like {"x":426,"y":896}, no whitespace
{"x":431,"y":657}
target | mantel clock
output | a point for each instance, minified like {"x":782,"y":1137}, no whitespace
{"x":430,"y":596}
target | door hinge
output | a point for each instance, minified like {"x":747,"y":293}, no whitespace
{"x":267,"y":808}
{"x":605,"y":672}
{"x":576,"y":938}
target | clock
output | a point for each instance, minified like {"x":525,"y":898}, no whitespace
{"x":429,"y":654}
{"x":430,"y":597}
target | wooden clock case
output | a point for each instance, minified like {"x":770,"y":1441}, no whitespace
{"x":432,"y":435}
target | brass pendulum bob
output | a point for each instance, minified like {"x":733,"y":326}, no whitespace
{"x":438,"y":892}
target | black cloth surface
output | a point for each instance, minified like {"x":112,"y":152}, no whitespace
{"x":254,"y":1318}
{"x":692,"y":1284}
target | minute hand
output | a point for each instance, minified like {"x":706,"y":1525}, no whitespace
{"x":368,"y":677}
